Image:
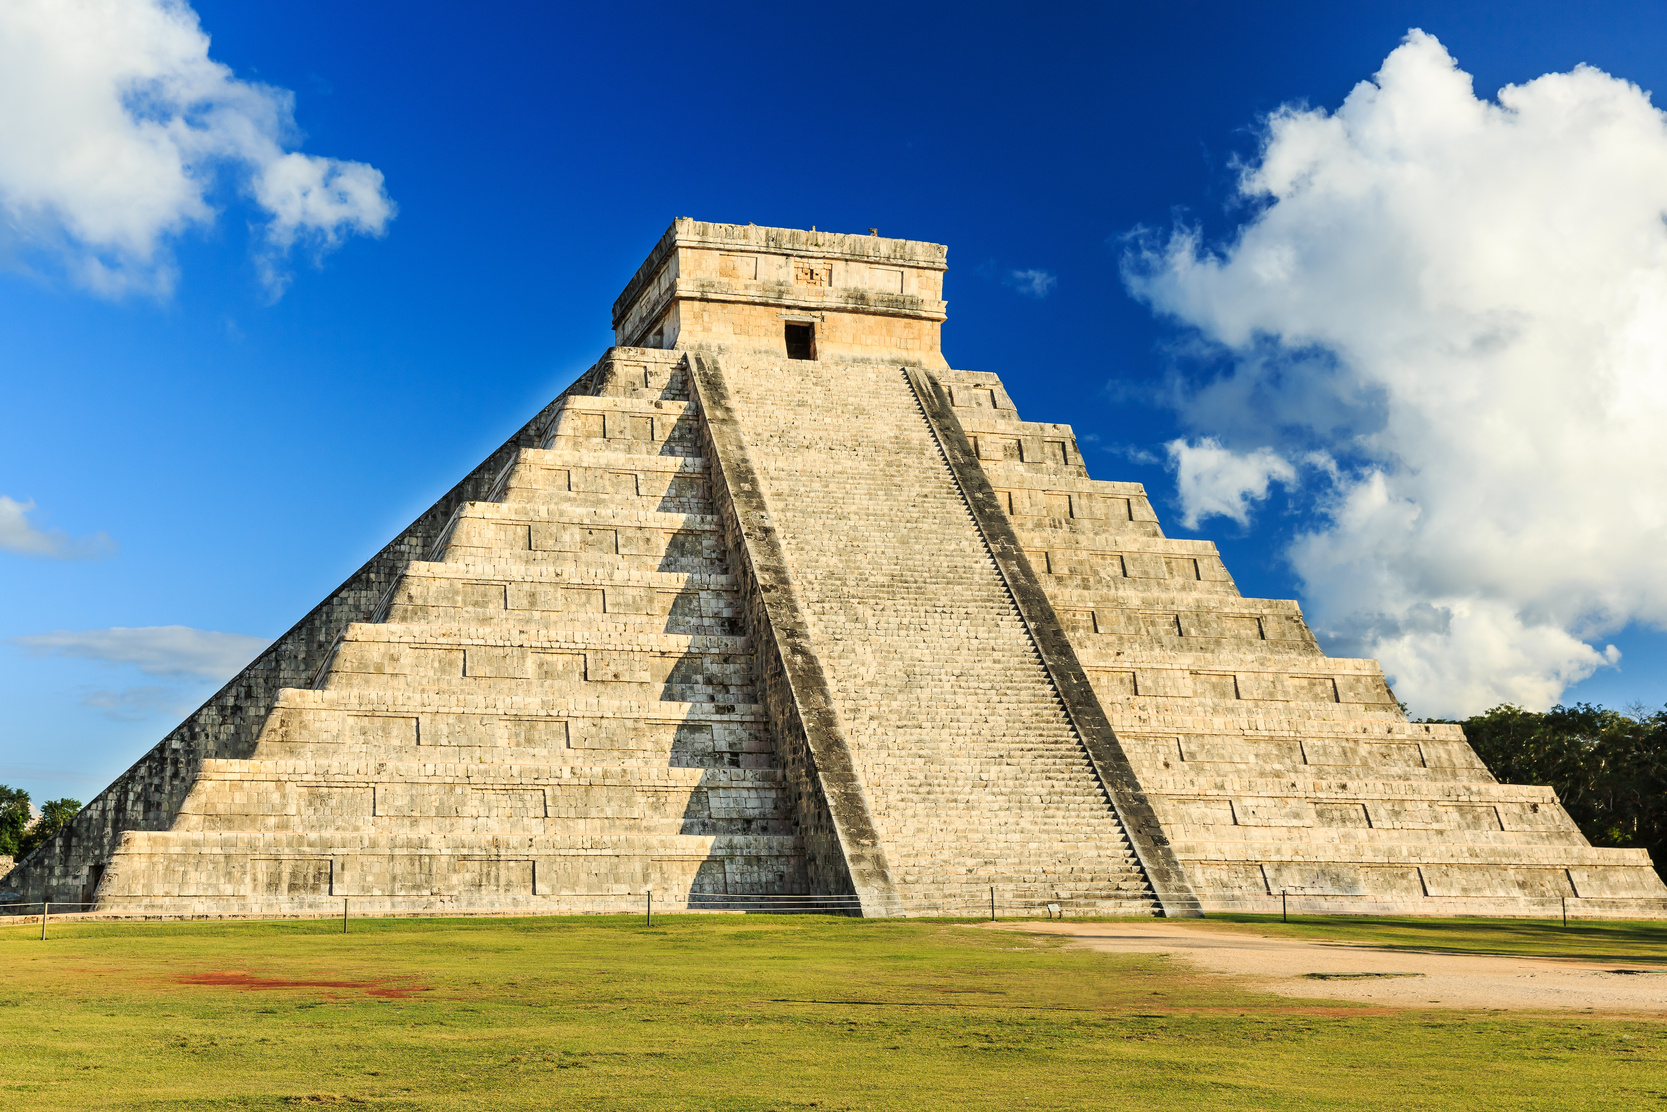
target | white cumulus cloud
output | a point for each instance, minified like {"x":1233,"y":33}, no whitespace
{"x":1215,"y":481}
{"x":1464,"y":302}
{"x":116,"y":128}
{"x":156,"y":650}
{"x":18,"y":534}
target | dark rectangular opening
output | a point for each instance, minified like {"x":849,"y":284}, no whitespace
{"x":801,"y":341}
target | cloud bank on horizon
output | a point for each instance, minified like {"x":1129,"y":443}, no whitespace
{"x":1446,"y":325}
{"x":116,"y":128}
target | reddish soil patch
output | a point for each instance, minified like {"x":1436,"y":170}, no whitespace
{"x":238,"y":979}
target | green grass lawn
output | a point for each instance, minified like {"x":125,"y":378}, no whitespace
{"x":733,"y":1012}
{"x":1633,"y":941}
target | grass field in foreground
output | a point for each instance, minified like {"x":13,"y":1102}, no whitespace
{"x":737,"y":1013}
{"x":1633,"y":941}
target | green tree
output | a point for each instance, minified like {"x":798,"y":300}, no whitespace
{"x":14,"y":820}
{"x":55,"y":815}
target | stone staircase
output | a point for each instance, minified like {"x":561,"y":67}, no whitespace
{"x":973,"y":773}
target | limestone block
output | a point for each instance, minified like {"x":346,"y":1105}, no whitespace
{"x":1361,"y":754}
{"x":532,"y":733}
{"x":1083,"y":563}
{"x":1203,"y":812}
{"x":1211,"y":685}
{"x":1127,"y":623}
{"x":1611,"y":882}
{"x":1200,"y":624}
{"x":1342,"y":816}
{"x":1231,"y":749}
{"x":285,"y":878}
{"x":1266,"y":686}
{"x":497,"y":662}
{"x":1535,"y":816}
{"x":1312,"y":689}
{"x":1492,"y":880}
{"x":1163,"y":682}
{"x":1144,"y":565}
{"x":1452,"y":754}
{"x":380,"y":729}
{"x":1284,"y":628}
{"x":1272,"y":812}
{"x":1112,"y":684}
{"x":1229,"y":882}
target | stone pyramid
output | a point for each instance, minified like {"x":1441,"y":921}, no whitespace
{"x":772,"y":608}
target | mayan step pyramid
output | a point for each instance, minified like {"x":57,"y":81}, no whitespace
{"x":772,"y":603}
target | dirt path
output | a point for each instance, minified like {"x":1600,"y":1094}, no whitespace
{"x":1288,"y":966}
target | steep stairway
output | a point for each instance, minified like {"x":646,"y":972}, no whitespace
{"x":972,"y":771}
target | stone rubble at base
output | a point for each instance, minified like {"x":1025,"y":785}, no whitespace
{"x":721,"y":624}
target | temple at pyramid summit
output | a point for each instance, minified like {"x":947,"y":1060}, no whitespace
{"x":773,"y":608}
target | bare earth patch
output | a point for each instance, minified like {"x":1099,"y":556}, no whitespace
{"x":1391,"y":978}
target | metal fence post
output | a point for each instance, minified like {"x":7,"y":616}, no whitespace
{"x":1284,"y":916}
{"x":45,"y":908}
{"x":1565,"y":911}
{"x":649,"y":920}
{"x":344,"y":916}
{"x":992,"y":905}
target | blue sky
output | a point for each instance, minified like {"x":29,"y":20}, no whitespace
{"x":221,"y":445}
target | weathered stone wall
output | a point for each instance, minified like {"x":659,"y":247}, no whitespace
{"x":724,"y":328}
{"x":729,"y":288}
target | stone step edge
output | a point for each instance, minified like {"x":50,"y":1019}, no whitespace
{"x":604,"y":572}
{"x":1353,"y":790}
{"x":1166,"y":727}
{"x":510,"y":847}
{"x":1405,"y":855}
{"x":520,"y":513}
{"x":568,"y":457}
{"x":439,"y":635}
{"x":663,"y":712}
{"x":467,"y":773}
